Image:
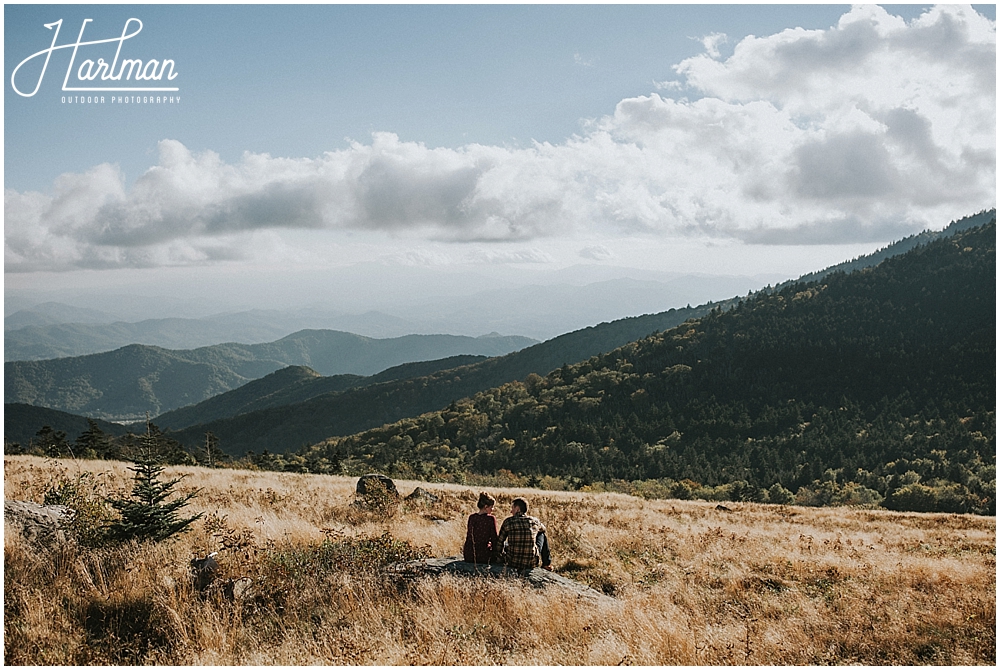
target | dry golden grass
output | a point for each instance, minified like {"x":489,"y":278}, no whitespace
{"x":759,"y":585}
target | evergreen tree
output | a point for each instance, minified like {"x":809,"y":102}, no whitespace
{"x":93,"y":442}
{"x":147,"y":514}
{"x":52,"y":443}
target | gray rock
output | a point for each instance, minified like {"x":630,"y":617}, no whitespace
{"x":237,"y":589}
{"x":538,"y":578}
{"x":43,"y":524}
{"x":362,"y":488}
{"x":423,"y":496}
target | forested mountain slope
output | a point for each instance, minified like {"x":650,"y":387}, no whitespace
{"x":128,"y":382}
{"x":280,"y":429}
{"x":21,"y":424}
{"x":292,"y":385}
{"x":881,"y":383}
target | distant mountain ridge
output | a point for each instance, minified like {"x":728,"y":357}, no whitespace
{"x":63,"y":340}
{"x":54,"y":330}
{"x":50,"y":313}
{"x":292,"y":385}
{"x":127,"y":383}
{"x":31,"y":335}
{"x":281,"y":429}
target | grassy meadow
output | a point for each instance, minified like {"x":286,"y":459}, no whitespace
{"x":691,"y":584}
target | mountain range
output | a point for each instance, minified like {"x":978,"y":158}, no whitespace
{"x":540,"y":311}
{"x":281,"y":428}
{"x":903,"y":336}
{"x":285,"y":428}
{"x":861,"y":388}
{"x":125,"y":384}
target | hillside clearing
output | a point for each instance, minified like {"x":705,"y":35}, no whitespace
{"x":693,"y":584}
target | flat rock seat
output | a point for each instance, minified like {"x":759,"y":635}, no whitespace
{"x":537,"y":577}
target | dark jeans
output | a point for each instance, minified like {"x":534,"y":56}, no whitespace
{"x":542,"y":543}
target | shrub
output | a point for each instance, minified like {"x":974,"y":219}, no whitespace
{"x":952,"y":497}
{"x":741,"y":491}
{"x":683,"y":490}
{"x":379,"y":500}
{"x":779,"y":495}
{"x":854,"y":494}
{"x":91,"y":514}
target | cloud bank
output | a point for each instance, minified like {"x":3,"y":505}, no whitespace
{"x":873,"y":128}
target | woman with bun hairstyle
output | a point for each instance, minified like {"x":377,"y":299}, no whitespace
{"x":481,"y":535}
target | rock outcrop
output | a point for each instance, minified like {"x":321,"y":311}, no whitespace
{"x":43,"y":524}
{"x":538,"y":578}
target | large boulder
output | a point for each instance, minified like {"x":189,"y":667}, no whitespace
{"x":43,"y":524}
{"x":363,"y":484}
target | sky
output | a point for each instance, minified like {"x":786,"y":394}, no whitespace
{"x":348,"y":155}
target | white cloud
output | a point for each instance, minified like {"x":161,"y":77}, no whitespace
{"x":711,"y":43}
{"x":870,"y":129}
{"x":421,"y":257}
{"x":597,"y":253}
{"x":503,"y":257}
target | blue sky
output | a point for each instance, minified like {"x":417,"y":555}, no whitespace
{"x":722,"y":139}
{"x":297,"y":81}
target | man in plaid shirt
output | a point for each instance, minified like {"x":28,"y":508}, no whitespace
{"x":522,"y":540}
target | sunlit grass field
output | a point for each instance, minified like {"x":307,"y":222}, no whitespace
{"x":691,"y":583}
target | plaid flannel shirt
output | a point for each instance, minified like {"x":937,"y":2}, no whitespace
{"x":517,"y":541}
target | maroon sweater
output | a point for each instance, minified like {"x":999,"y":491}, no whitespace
{"x":480,"y":538}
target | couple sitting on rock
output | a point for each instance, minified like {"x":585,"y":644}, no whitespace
{"x":520,"y":544}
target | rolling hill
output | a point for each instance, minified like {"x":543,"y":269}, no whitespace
{"x":292,"y":385}
{"x":21,"y":423}
{"x":124,"y":384}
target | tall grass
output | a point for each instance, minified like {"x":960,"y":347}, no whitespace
{"x":692,"y":584}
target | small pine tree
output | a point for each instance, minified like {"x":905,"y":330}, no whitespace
{"x":146,"y":514}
